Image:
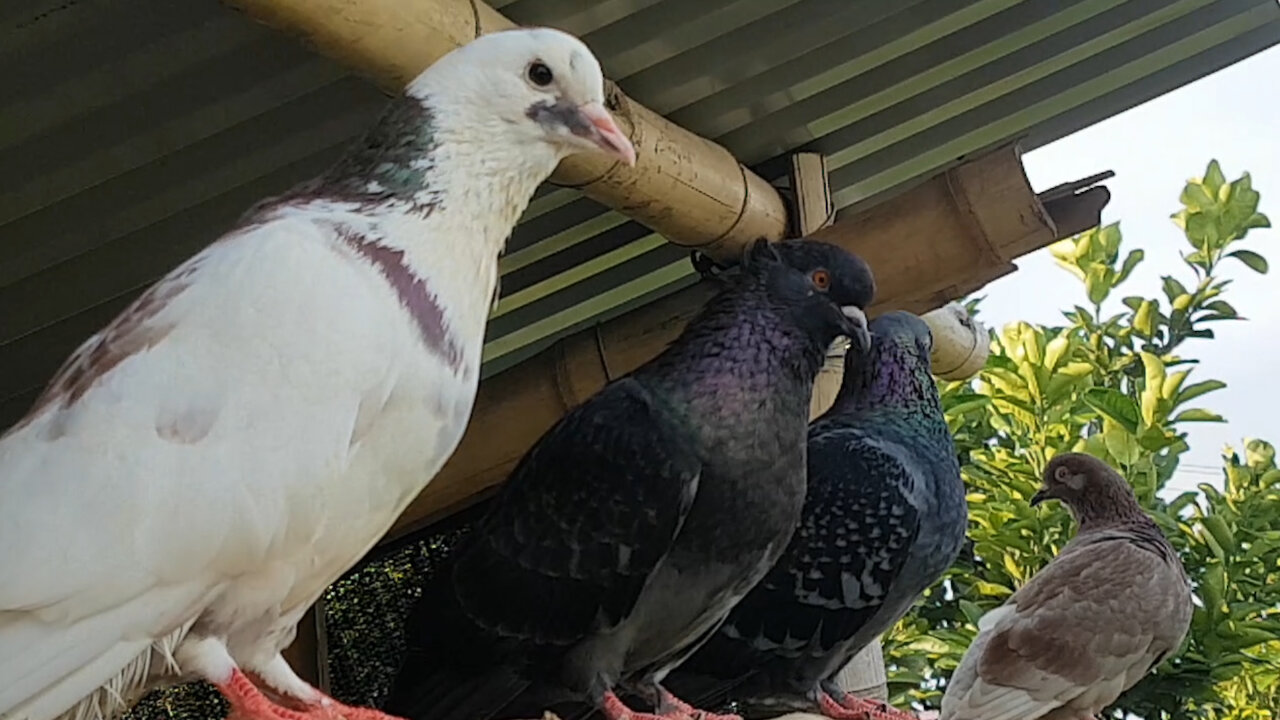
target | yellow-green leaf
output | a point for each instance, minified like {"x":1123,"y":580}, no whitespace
{"x":1144,"y":320}
{"x":1054,"y":351}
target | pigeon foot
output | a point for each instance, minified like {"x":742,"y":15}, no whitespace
{"x":614,"y":709}
{"x":669,"y":704}
{"x":855,"y":708}
{"x":249,"y":703}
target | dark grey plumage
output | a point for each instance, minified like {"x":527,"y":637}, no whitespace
{"x":625,"y":535}
{"x":884,"y":517}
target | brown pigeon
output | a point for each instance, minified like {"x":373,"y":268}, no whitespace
{"x":1108,"y":609}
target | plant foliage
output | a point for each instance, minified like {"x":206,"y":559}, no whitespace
{"x":1120,"y":387}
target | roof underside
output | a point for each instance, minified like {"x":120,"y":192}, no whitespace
{"x":135,"y":133}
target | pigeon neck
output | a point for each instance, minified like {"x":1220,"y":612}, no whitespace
{"x":741,"y":340}
{"x":889,"y":377}
{"x":1108,"y":506}
{"x":469,"y":176}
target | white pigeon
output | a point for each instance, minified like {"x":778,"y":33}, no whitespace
{"x":201,"y":469}
{"x":1113,"y":605}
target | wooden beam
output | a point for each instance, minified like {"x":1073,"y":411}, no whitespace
{"x":812,"y":206}
{"x":689,"y":189}
{"x":934,"y":243}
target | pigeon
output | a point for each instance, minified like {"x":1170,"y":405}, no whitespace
{"x":1113,"y":605}
{"x":198,"y":471}
{"x":884,"y":517}
{"x":625,"y":535}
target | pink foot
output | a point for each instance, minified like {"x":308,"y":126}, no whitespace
{"x":669,"y":702}
{"x":249,"y":703}
{"x":856,"y":708}
{"x":614,"y":709}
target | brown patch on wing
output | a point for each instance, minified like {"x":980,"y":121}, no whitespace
{"x":1092,"y":605}
{"x":131,"y":332}
{"x":414,"y":294}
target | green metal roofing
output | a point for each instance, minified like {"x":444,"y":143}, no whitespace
{"x":132,"y":134}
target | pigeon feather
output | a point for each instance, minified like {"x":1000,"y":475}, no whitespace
{"x":198,"y":471}
{"x":884,"y":517}
{"x":625,"y":535}
{"x":1113,"y":605}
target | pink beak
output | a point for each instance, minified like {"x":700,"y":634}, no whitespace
{"x":604,"y":132}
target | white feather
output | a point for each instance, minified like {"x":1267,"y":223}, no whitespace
{"x":257,"y":429}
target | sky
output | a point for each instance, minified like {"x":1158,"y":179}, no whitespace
{"x":1153,"y":149}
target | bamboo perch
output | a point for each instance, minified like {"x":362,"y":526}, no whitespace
{"x":934,"y":243}
{"x":688,"y":189}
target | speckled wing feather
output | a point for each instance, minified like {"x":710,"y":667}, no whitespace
{"x":825,"y":587}
{"x":584,"y":519}
{"x":1101,"y":615}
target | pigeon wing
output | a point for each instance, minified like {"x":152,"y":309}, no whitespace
{"x":858,"y":527}
{"x":1095,"y":620}
{"x":583,"y":520}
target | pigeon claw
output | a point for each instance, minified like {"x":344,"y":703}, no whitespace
{"x":614,"y":709}
{"x":249,"y":703}
{"x":671,"y":706}
{"x":855,"y":708}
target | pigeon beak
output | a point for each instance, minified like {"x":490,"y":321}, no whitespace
{"x":1039,"y":497}
{"x":597,"y":125}
{"x":855,"y":327}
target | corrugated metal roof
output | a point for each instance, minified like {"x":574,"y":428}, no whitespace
{"x":134,"y":133}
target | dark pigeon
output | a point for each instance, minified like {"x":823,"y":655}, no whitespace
{"x":626,"y":534}
{"x":884,"y":517}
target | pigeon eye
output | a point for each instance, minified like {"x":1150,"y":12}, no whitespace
{"x":539,"y":74}
{"x":821,"y":279}
{"x":1061,"y":474}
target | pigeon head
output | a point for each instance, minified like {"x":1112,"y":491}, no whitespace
{"x":824,"y":288}
{"x":531,"y":84}
{"x":1091,"y":489}
{"x":896,"y":369}
{"x":901,"y":338}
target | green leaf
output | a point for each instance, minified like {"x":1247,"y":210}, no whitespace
{"x":1114,"y":405}
{"x":1130,"y":262}
{"x":1222,"y":307}
{"x":1196,"y":198}
{"x":1195,"y":390}
{"x":1122,"y":445}
{"x":1097,"y":283}
{"x":1256,"y":262}
{"x":1172,"y":288}
{"x":1257,"y":220}
{"x":1197,"y":415}
{"x":971,"y":611}
{"x":1220,"y":531}
{"x":1213,"y":178}
{"x":1144,"y":320}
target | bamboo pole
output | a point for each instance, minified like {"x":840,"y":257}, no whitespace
{"x":688,"y":189}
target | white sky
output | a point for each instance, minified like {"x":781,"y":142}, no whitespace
{"x":1153,"y":149}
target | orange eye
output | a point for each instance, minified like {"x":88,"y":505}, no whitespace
{"x":821,"y":279}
